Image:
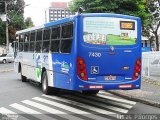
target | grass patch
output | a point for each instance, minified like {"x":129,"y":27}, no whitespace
{"x":118,"y":40}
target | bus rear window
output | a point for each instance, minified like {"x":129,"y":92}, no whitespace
{"x":109,"y":31}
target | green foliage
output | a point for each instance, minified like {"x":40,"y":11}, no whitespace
{"x":2,"y":7}
{"x":15,"y":19}
{"x":153,"y":21}
{"x":16,"y":22}
{"x":28,"y":22}
{"x":127,"y":7}
{"x":2,"y":33}
{"x":16,"y":5}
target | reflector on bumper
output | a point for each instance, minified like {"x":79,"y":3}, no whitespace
{"x":125,"y":86}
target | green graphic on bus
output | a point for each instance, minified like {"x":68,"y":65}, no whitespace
{"x":38,"y":67}
{"x":106,"y":31}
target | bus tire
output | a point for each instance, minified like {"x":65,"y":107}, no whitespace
{"x":90,"y":92}
{"x":45,"y":88}
{"x":23,"y":78}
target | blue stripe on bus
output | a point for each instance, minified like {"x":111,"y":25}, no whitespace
{"x":58,"y":22}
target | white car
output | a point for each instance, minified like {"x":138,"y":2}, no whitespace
{"x":6,"y":58}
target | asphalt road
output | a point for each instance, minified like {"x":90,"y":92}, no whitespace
{"x":27,"y":100}
{"x":6,"y":67}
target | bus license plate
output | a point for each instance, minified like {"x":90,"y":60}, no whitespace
{"x":110,"y":77}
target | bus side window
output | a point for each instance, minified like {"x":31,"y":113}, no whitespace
{"x":67,"y":36}
{"x":20,"y":47}
{"x":46,"y":40}
{"x":32,"y":40}
{"x":26,"y":42}
{"x":66,"y":46}
{"x":67,"y":30}
{"x":21,"y":41}
{"x":55,"y":39}
{"x":38,"y":41}
{"x":55,"y":46}
{"x":55,"y":33}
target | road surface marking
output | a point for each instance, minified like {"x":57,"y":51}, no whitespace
{"x":99,"y":104}
{"x":24,"y":109}
{"x":50,"y":110}
{"x":75,"y":110}
{"x":6,"y":111}
{"x":30,"y":111}
{"x":81,"y":105}
{"x":116,"y":99}
{"x":99,"y":99}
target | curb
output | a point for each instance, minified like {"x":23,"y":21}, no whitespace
{"x":6,"y":70}
{"x":147,"y":102}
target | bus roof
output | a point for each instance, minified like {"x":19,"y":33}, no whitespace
{"x":72,"y":17}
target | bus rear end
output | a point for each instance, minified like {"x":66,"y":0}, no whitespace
{"x":108,"y":52}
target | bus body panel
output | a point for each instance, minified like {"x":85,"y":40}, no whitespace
{"x":64,"y":65}
{"x":119,"y":63}
{"x":34,"y":62}
{"x":62,"y":68}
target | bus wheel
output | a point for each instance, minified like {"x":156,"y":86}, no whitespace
{"x":23,"y":78}
{"x":90,"y":92}
{"x":45,"y":88}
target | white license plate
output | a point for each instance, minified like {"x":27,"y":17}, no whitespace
{"x":110,"y":77}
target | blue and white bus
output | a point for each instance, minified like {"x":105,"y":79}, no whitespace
{"x":86,"y":52}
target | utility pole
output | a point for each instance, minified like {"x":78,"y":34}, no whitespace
{"x":7,"y":36}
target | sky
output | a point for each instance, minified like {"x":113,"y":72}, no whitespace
{"x":36,"y":8}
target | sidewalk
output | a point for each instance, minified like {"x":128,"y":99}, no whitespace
{"x":148,"y":94}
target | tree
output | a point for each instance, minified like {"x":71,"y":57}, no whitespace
{"x":29,"y":22}
{"x":153,"y":22}
{"x":16,"y":22}
{"x":127,"y":7}
{"x":15,"y":18}
{"x":16,"y":5}
{"x":2,"y":33}
{"x":2,"y":7}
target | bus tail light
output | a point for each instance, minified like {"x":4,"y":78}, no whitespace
{"x":137,"y":69}
{"x":81,"y":69}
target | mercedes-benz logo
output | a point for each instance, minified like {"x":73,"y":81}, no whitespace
{"x":112,"y":48}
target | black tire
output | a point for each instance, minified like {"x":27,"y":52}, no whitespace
{"x":90,"y":92}
{"x":45,"y":88}
{"x":23,"y":78}
{"x":4,"y":61}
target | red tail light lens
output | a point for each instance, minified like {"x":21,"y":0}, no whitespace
{"x":81,"y":69}
{"x":137,"y":69}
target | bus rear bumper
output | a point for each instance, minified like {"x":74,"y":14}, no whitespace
{"x":129,"y":85}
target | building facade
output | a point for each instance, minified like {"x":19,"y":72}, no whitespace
{"x":57,"y":11}
{"x":147,"y":45}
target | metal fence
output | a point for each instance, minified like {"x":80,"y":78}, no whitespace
{"x":151,"y":65}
